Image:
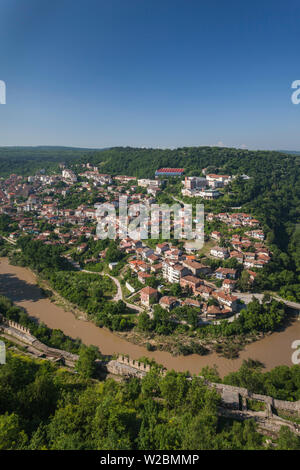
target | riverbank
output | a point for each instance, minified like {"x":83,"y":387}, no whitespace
{"x":19,"y":284}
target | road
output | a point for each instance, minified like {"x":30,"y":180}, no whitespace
{"x":119,"y":294}
{"x":247,"y":297}
{"x":289,"y":303}
{"x":178,"y":200}
{"x":9,"y":240}
{"x":20,"y":285}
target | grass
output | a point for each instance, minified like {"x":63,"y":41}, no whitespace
{"x":294,"y":419}
{"x":96,"y":267}
{"x":255,"y":405}
{"x":205,"y":250}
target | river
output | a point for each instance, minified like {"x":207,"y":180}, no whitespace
{"x":19,"y":284}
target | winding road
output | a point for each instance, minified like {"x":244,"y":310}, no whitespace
{"x":119,"y":294}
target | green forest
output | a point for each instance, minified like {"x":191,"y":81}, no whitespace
{"x":45,"y":407}
{"x":28,"y":160}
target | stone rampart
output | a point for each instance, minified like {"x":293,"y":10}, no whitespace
{"x":130,"y":367}
{"x":134,"y":364}
{"x":243,"y":392}
{"x":17,"y":331}
{"x":18,"y":327}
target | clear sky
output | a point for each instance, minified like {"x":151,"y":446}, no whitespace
{"x":154,"y":73}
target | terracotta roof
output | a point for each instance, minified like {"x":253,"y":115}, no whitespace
{"x":226,"y":270}
{"x":173,"y":170}
{"x":168,"y":300}
{"x":148,"y":290}
{"x":191,"y":279}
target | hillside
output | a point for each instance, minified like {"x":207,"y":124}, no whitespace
{"x":27,"y":160}
{"x":272,"y":193}
{"x":143,"y":162}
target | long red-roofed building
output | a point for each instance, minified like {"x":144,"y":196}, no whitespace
{"x":169,"y":172}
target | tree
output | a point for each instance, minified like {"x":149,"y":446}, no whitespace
{"x":200,"y":431}
{"x":113,"y":253}
{"x":287,"y":440}
{"x":173,"y":388}
{"x":85,"y":365}
{"x":176,"y":290}
{"x":11,"y":435}
{"x":244,"y":281}
{"x":211,"y":373}
{"x":144,"y":322}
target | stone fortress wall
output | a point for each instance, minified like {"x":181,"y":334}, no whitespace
{"x":35,"y":347}
{"x":127,"y":367}
{"x":16,"y":330}
{"x":19,"y":327}
{"x":135,"y":364}
{"x":244,"y":393}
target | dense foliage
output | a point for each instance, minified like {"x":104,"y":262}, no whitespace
{"x":6,"y":224}
{"x":40,"y":256}
{"x":93,"y":294}
{"x":258,"y":317}
{"x":282,"y":382}
{"x":42,"y":407}
{"x":27,"y":160}
{"x":88,"y":291}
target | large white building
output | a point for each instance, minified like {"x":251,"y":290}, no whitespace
{"x":174,"y":272}
{"x":144,"y":183}
{"x":192,"y":185}
{"x":69,"y":175}
{"x":219,"y":252}
{"x":216,"y":181}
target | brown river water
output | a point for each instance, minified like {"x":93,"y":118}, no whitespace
{"x":19,"y":284}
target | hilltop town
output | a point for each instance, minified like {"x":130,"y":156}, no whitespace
{"x":194,"y":287}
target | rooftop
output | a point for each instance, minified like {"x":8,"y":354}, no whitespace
{"x":170,"y":170}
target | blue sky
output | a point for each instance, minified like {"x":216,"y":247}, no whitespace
{"x":150,"y":73}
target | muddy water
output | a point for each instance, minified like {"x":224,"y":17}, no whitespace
{"x":19,"y":285}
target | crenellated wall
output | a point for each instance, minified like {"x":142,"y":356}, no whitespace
{"x":16,"y":330}
{"x":243,"y":392}
{"x":19,"y":327}
{"x":135,"y":364}
{"x":130,"y":367}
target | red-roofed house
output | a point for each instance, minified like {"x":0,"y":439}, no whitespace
{"x":148,"y":296}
